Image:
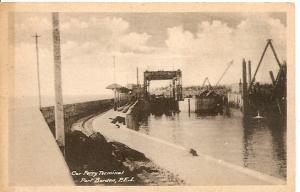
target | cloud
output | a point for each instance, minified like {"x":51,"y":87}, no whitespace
{"x":113,"y":25}
{"x":215,"y":44}
{"x":87,"y":46}
{"x":255,"y":30}
{"x":117,"y":26}
{"x":206,"y":42}
{"x":180,"y":41}
{"x":39,"y":24}
{"x":74,"y":23}
{"x":69,"y":45}
{"x":110,"y":34}
{"x":135,"y":42}
{"x":118,"y":37}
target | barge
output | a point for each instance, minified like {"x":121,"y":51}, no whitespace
{"x":209,"y":102}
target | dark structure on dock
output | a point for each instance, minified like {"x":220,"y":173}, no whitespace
{"x":212,"y":100}
{"x":175,"y":76}
{"x":208,"y":102}
{"x":266,"y":99}
{"x":160,"y":104}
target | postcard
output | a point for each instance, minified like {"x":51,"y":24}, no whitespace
{"x":147,"y":96}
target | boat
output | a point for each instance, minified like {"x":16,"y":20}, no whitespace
{"x":208,"y":102}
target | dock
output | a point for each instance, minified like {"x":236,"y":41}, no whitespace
{"x":33,"y":148}
{"x":201,"y":170}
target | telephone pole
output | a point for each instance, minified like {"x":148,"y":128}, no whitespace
{"x":114,"y":58}
{"x":36,"y":36}
{"x":137,"y":76}
{"x":59,"y":110}
{"x":115,"y":90}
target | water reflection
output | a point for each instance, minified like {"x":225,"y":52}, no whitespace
{"x":258,"y":145}
{"x":265,"y":145}
{"x":278,"y":132}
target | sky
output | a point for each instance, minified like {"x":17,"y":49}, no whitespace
{"x":200,"y":44}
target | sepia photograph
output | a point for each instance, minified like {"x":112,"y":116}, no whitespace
{"x":140,"y":96}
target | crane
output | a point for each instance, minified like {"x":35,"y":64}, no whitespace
{"x":206,"y":80}
{"x":269,"y":43}
{"x":228,"y":66}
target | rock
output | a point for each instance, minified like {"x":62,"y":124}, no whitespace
{"x":76,"y":144}
{"x":97,"y":137}
{"x":99,"y":151}
{"x":129,"y":153}
{"x":193,"y":152}
{"x":119,"y":119}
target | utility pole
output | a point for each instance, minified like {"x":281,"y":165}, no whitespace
{"x":59,"y":110}
{"x":114,"y":60}
{"x":36,"y":36}
{"x":137,"y":76}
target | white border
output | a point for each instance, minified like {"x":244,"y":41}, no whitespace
{"x":297,"y":52}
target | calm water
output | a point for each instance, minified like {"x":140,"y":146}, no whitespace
{"x":259,"y":146}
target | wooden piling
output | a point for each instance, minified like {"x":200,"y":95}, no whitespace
{"x":249,"y":72}
{"x":173,"y":82}
{"x":189,"y":103}
{"x":59,"y":110}
{"x":272,"y":77}
{"x":245,"y":88}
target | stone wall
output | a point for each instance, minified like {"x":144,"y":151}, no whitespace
{"x":76,"y":111}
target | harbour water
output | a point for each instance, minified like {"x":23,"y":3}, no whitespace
{"x":258,"y":146}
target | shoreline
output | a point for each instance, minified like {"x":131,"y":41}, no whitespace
{"x":136,"y":167}
{"x":177,"y":159}
{"x":194,"y":170}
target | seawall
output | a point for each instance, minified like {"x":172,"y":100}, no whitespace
{"x":31,"y":147}
{"x":136,"y":112}
{"x":76,"y":111}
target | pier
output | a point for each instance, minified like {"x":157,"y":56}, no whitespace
{"x":126,"y":120}
{"x":160,"y":130}
{"x":268,"y":99}
{"x":202,"y":170}
{"x":175,"y":76}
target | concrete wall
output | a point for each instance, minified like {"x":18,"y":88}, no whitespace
{"x":31,"y":147}
{"x":76,"y":111}
{"x":133,"y":117}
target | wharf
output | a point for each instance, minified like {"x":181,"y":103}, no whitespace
{"x":194,"y":170}
{"x":34,"y":157}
